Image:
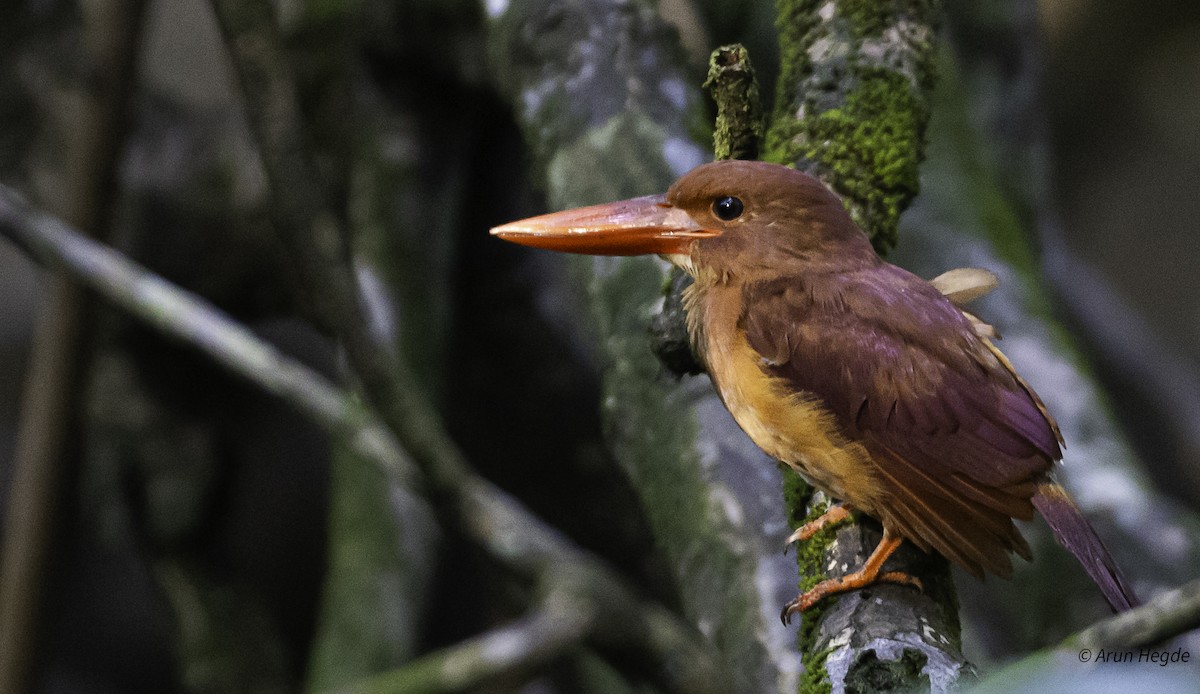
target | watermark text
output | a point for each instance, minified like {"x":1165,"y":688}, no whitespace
{"x":1144,"y":656}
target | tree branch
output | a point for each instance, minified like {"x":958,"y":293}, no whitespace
{"x":609,"y":112}
{"x":1167,"y":615}
{"x":554,"y":627}
{"x":485,"y":513}
{"x":195,"y":322}
{"x":50,"y":400}
{"x":853,"y":100}
{"x":851,"y":106}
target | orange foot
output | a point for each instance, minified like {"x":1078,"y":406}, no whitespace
{"x":867,"y":575}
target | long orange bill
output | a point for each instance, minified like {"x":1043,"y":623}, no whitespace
{"x":630,"y":227}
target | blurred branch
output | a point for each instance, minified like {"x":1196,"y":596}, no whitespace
{"x":50,"y":401}
{"x":484,"y":512}
{"x":608,"y":111}
{"x":1167,"y":615}
{"x":1127,"y":345}
{"x":197,"y":323}
{"x":555,"y":626}
{"x":318,"y":246}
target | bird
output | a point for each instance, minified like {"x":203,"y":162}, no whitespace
{"x":873,"y":384}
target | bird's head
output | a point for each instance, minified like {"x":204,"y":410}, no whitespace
{"x":735,"y":217}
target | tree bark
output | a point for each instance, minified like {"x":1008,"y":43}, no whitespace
{"x":852,"y":103}
{"x":609,"y":112}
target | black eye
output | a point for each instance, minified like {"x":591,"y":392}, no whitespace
{"x":727,"y":208}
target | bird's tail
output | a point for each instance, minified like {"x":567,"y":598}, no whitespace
{"x":1074,"y":533}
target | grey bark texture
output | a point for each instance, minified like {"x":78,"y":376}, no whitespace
{"x":852,"y":104}
{"x":610,"y":113}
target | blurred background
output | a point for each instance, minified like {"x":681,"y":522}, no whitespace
{"x":191,"y":494}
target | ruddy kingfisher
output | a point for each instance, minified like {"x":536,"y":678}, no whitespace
{"x":870,"y":382}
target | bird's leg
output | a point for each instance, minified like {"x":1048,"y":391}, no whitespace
{"x":837,"y":513}
{"x":868,"y":574}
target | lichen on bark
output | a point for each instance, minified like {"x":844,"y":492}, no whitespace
{"x":608,"y":113}
{"x":731,"y":82}
{"x":851,"y":107}
{"x":853,"y":99}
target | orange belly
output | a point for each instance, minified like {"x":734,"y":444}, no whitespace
{"x":791,"y":427}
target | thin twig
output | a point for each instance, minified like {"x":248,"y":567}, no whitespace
{"x":734,"y":88}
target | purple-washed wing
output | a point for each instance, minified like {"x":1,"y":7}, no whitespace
{"x":958,"y":441}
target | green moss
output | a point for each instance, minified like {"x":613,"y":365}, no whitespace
{"x":810,"y":555}
{"x":796,"y":494}
{"x":815,"y":679}
{"x":867,"y":17}
{"x":853,"y":119}
{"x":795,"y":19}
{"x":873,"y":148}
{"x":870,"y":149}
{"x":732,"y":85}
{"x":871,"y":17}
{"x":810,"y":560}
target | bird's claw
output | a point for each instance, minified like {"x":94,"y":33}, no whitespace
{"x":836,"y":586}
{"x":788,"y":610}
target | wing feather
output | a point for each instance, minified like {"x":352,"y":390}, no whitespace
{"x":957,"y":439}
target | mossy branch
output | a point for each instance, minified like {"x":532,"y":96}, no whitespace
{"x":733,"y":86}
{"x":851,"y":108}
{"x":853,"y":100}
